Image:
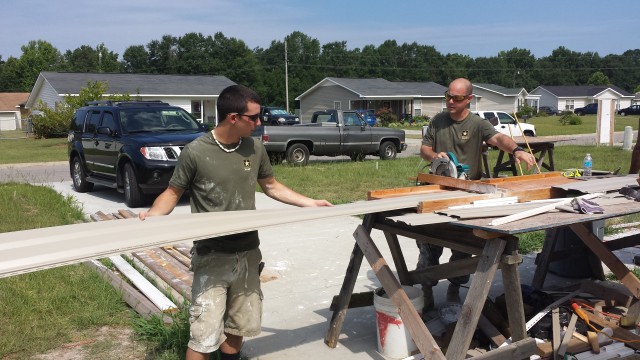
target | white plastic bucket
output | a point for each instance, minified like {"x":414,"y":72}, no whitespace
{"x":394,"y":340}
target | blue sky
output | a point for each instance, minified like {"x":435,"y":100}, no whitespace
{"x":474,"y":28}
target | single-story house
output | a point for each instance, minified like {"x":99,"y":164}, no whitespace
{"x":401,"y":98}
{"x":498,"y":98}
{"x":12,"y":110}
{"x":196,"y":94}
{"x":571,"y":97}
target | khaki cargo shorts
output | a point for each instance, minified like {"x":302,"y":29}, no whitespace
{"x":226,"y":298}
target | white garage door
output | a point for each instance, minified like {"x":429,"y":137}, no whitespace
{"x":7,"y":121}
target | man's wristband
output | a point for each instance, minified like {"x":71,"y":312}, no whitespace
{"x":518,"y":148}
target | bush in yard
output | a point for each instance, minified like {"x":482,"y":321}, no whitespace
{"x":386,"y":117}
{"x":525,"y":110}
{"x":51,"y":123}
{"x":421,"y":120}
{"x":570,"y":119}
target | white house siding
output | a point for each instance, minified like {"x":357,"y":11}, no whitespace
{"x":48,"y":95}
{"x":490,"y":100}
{"x":610,"y":94}
{"x":323,"y":98}
{"x":430,"y":107}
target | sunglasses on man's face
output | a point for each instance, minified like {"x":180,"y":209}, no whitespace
{"x":456,"y":98}
{"x":253,"y":118}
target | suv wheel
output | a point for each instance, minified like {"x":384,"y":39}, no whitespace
{"x":388,"y":150}
{"x":79,"y":177}
{"x":133,"y":197}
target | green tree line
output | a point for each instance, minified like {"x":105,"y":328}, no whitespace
{"x":309,"y":61}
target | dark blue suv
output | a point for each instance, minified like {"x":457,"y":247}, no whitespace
{"x":589,"y":109}
{"x":130,"y":146}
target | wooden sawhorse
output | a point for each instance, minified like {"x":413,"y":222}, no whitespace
{"x":496,"y":251}
{"x":540,"y":149}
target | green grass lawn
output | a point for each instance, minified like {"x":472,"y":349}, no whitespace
{"x":549,"y":125}
{"x":45,"y":309}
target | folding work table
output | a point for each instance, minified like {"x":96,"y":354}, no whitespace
{"x":493,"y":247}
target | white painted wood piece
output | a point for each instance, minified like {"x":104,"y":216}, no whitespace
{"x":539,"y":210}
{"x":149,"y":290}
{"x":36,"y":249}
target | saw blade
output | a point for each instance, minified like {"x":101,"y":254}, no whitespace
{"x":444,"y":167}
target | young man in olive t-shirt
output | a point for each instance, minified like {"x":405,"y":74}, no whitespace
{"x":459,"y":131}
{"x":221,"y":169}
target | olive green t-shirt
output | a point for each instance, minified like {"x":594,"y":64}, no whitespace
{"x":222,"y":181}
{"x":463,"y":138}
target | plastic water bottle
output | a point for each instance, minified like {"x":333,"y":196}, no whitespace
{"x":587,"y":165}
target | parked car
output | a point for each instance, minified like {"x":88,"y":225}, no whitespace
{"x":506,"y":124}
{"x":549,"y":110}
{"x":130,"y":146}
{"x":369,"y":116}
{"x":589,"y":109}
{"x":631,"y":110}
{"x":272,"y":115}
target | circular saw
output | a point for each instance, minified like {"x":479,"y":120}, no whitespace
{"x":449,"y":167}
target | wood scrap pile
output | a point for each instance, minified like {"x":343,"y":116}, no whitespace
{"x":599,"y":318}
{"x":155,"y":281}
{"x":597,"y":321}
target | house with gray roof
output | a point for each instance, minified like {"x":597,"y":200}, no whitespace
{"x":197,"y":94}
{"x":415,"y":98}
{"x":499,"y":98}
{"x":571,"y":97}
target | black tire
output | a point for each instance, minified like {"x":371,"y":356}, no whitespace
{"x":623,"y":114}
{"x":388,"y":150}
{"x":357,"y":157}
{"x":133,"y":196}
{"x":79,"y":176}
{"x":275,"y":158}
{"x":529,"y":134}
{"x":579,"y":113}
{"x":297,"y":155}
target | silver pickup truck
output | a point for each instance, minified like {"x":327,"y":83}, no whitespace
{"x":330,"y":133}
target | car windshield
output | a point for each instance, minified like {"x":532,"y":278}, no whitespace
{"x":150,"y":119}
{"x":279,"y":112}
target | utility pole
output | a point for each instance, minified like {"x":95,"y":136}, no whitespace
{"x":286,"y":75}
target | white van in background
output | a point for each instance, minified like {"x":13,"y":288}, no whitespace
{"x":503,"y":123}
{"x":506,"y":124}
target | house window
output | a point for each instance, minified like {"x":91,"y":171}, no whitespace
{"x":337,"y":105}
{"x":568,"y":105}
{"x":196,"y":109}
{"x":417,"y":107}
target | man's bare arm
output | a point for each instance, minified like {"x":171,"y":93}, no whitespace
{"x":278,"y":191}
{"x":164,"y":203}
